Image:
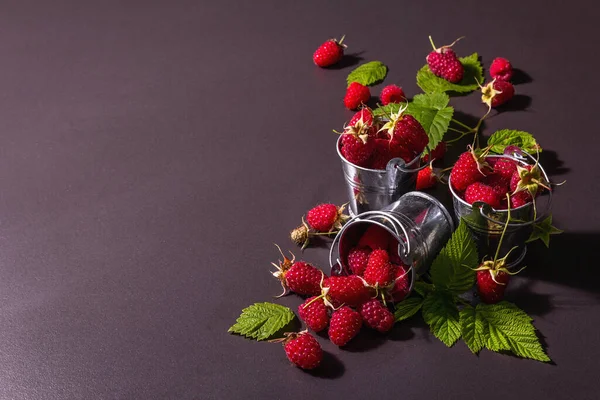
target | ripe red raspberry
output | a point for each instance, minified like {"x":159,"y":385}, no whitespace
{"x":362,"y":123}
{"x":326,"y":217}
{"x":466,"y":171}
{"x":392,"y":94}
{"x":314,"y":313}
{"x":356,"y":94}
{"x":436,"y":154}
{"x":382,"y":154}
{"x":379,"y":269}
{"x":329,"y":53}
{"x":349,"y":290}
{"x":444,"y":63}
{"x":496,"y":93}
{"x":375,"y":237}
{"x":375,"y":315}
{"x":478,"y":191}
{"x":520,"y":199}
{"x":298,"y":276}
{"x":425,"y":179}
{"x":357,"y":151}
{"x":409,"y":139}
{"x":357,"y":259}
{"x":491,"y":292}
{"x":303,"y":350}
{"x":501,"y":69}
{"x":505,"y":168}
{"x":499,"y":185}
{"x":344,"y":325}
{"x":401,"y":283}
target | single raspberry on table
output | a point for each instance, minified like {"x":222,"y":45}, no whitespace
{"x":298,"y":276}
{"x":357,"y":259}
{"x":444,"y":63}
{"x":379,"y":270}
{"x":479,"y":191}
{"x":356,"y":94}
{"x":375,"y":315}
{"x":491,"y":291}
{"x":501,"y":69}
{"x":314,"y":313}
{"x":303,"y":350}
{"x":329,"y":53}
{"x":392,"y":94}
{"x":469,"y":168}
{"x":425,"y":179}
{"x":349,"y":290}
{"x":496,"y":93}
{"x":326,"y":217}
{"x":344,"y":325}
{"x":375,"y":237}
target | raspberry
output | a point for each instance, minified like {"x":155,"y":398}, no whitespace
{"x":379,"y":269}
{"x":505,"y":168}
{"x":392,"y":94}
{"x":425,"y":179}
{"x":375,"y":237}
{"x":444,"y":63}
{"x":375,"y":315}
{"x":382,"y":154}
{"x":402,"y":284}
{"x":491,"y":292}
{"x":496,"y":93}
{"x":349,"y":290}
{"x":437,"y":153}
{"x":326,"y":217}
{"x":520,"y":199}
{"x":501,"y":69}
{"x":355,"y":150}
{"x":300,"y":277}
{"x":356,"y":94}
{"x":357,"y":259}
{"x":329,"y":53}
{"x":344,"y":325}
{"x":409,"y":139}
{"x":465,"y":171}
{"x":303,"y":350}
{"x":499,"y":185}
{"x":481,"y":192}
{"x":362,"y":122}
{"x":314,"y":313}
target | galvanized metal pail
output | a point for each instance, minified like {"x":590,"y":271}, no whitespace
{"x":486,"y":223}
{"x":374,"y":189}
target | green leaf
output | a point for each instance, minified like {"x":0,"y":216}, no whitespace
{"x":436,"y":101}
{"x":452,"y":269}
{"x":473,"y":329}
{"x":509,"y":137}
{"x":430,"y":83}
{"x":507,"y":327}
{"x":368,"y":74}
{"x":386,"y":111}
{"x":261,"y":321}
{"x":423,"y":288}
{"x":441,"y":314}
{"x":407,"y":308}
{"x":543,"y":230}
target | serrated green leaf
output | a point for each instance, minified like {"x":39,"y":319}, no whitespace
{"x":452,"y":269}
{"x":543,"y":230}
{"x":509,"y":328}
{"x":441,"y":314}
{"x":473,"y":329}
{"x":509,"y":137}
{"x":368,"y":74}
{"x":430,"y":83}
{"x":407,"y":308}
{"x":437,"y":101}
{"x":261,"y":321}
{"x":423,"y":288}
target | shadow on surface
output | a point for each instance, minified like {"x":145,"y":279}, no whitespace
{"x":520,"y":77}
{"x":349,"y":60}
{"x":552,"y":164}
{"x":521,"y":293}
{"x":331,"y":367}
{"x":366,"y":340}
{"x":519,"y":102}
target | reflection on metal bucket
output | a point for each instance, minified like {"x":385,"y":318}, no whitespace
{"x":374,"y":189}
{"x":486,"y":223}
{"x":419,"y":223}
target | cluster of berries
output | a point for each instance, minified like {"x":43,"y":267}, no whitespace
{"x":323,"y":219}
{"x":371,"y":142}
{"x":343,"y":304}
{"x":478,"y":177}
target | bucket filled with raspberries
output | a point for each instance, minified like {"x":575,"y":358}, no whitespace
{"x":485,"y":186}
{"x":391,"y":247}
{"x":380,"y":158}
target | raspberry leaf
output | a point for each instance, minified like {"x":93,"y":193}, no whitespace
{"x":543,"y":230}
{"x":453,"y":268}
{"x":261,"y":321}
{"x":368,"y":74}
{"x":407,"y":308}
{"x":430,"y":83}
{"x":510,"y":137}
{"x":473,"y":328}
{"x":506,"y":327}
{"x":423,"y":288}
{"x":441,"y":314}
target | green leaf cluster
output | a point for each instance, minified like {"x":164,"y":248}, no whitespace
{"x":261,"y":321}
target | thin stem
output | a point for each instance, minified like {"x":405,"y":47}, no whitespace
{"x":458,"y":131}
{"x":431,"y":41}
{"x":504,"y":230}
{"x":461,"y":124}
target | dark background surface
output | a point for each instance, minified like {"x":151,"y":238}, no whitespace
{"x":153,"y":151}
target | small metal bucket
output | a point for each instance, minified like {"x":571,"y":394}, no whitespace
{"x":486,"y":223}
{"x":417,"y":221}
{"x":373,"y":189}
